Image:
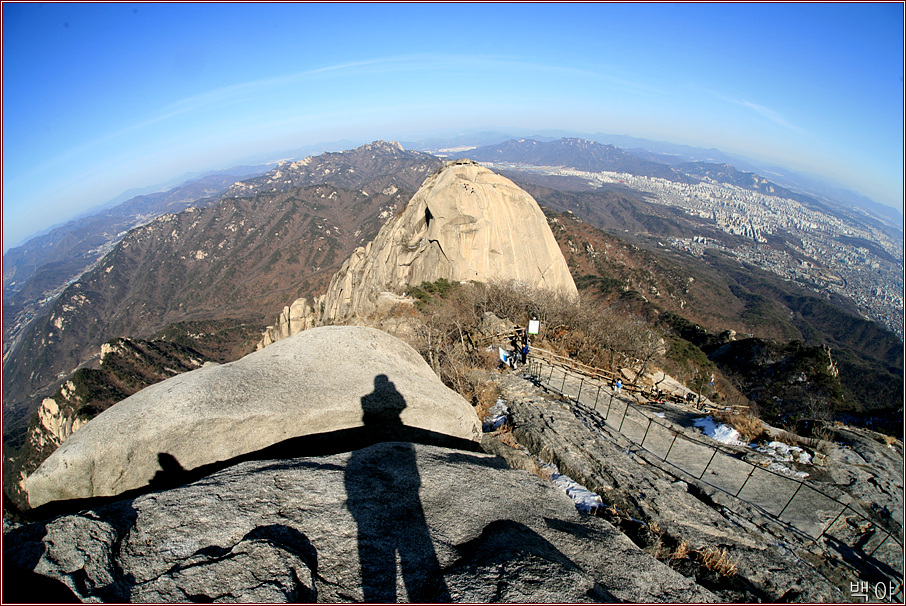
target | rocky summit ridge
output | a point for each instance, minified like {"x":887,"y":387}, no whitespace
{"x":392,"y":500}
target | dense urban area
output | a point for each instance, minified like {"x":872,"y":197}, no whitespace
{"x":821,"y":251}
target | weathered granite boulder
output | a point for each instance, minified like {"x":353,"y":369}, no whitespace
{"x":329,"y":389}
{"x":464,"y":223}
{"x":393,"y":521}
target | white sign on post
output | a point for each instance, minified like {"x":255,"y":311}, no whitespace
{"x":534,"y":326}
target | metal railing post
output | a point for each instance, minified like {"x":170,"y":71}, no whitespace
{"x":646,"y":433}
{"x":581,"y":383}
{"x":666,"y":456}
{"x":564,"y":381}
{"x":597,"y":395}
{"x":625,"y":411}
{"x":609,"y":402}
{"x":879,"y":544}
{"x":738,"y":492}
{"x":831,"y":525}
{"x":790,"y":501}
{"x":550,"y":375}
{"x":713,"y":454}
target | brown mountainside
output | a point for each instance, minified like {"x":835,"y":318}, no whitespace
{"x":36,"y":272}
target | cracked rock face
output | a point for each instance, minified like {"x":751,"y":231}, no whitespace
{"x":393,"y":521}
{"x":464,"y":223}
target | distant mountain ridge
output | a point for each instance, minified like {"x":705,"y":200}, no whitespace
{"x":730,"y":175}
{"x":374,"y":167}
{"x":575,"y":153}
{"x":672,"y":154}
{"x":77,"y":238}
{"x":585,"y":155}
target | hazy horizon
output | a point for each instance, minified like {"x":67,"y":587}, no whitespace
{"x":102,"y":99}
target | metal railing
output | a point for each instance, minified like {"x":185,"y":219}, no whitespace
{"x":769,"y":491}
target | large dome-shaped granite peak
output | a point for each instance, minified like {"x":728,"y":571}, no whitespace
{"x":464,"y":223}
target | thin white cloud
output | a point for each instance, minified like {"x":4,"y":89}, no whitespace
{"x":246,"y":91}
{"x":765,"y":112}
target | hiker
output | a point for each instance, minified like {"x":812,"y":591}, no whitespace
{"x":619,"y":386}
{"x":525,"y":351}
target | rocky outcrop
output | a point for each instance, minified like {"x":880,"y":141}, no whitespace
{"x":326,"y":389}
{"x":294,"y":318}
{"x":465,"y":223}
{"x":54,"y":423}
{"x":394,"y":521}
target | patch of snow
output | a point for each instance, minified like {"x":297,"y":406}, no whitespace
{"x":787,"y":471}
{"x":585,"y":500}
{"x":718,"y":431}
{"x":496,"y":416}
{"x":661,"y":415}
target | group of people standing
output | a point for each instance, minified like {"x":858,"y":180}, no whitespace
{"x":519,"y":350}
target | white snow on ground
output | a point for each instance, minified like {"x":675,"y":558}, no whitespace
{"x":779,"y":451}
{"x":779,"y":468}
{"x":585,"y":500}
{"x":718,"y":431}
{"x":496,"y":416}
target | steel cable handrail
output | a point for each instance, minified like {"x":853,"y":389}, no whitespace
{"x":535,"y":369}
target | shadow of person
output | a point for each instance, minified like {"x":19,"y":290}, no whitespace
{"x":382,"y":485}
{"x":171,"y":473}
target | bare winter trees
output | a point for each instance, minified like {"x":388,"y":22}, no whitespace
{"x":451,"y":333}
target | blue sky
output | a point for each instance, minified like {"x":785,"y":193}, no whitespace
{"x":99,"y":99}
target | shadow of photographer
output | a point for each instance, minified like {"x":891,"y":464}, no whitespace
{"x":382,"y":488}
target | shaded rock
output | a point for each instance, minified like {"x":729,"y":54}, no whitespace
{"x":465,"y":223}
{"x":332,"y":381}
{"x":394,"y":521}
